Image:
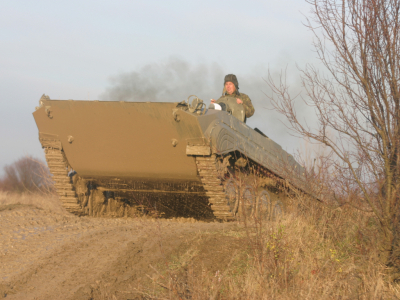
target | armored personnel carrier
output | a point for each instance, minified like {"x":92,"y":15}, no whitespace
{"x":173,"y":159}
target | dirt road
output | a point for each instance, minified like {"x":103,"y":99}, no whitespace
{"x":52,"y":255}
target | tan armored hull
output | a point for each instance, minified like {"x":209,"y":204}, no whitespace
{"x":184,"y":158}
{"x":132,"y":140}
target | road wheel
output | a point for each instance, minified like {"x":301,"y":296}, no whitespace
{"x":248,"y":203}
{"x":263,"y":207}
{"x":232,"y":195}
{"x":278,"y":210}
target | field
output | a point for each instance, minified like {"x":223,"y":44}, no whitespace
{"x":312,"y":252}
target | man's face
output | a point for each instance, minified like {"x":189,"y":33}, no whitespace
{"x":230,"y":87}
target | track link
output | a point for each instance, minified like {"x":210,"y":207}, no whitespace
{"x":212,"y":180}
{"x":62,"y":182}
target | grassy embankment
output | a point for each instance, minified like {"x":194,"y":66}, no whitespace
{"x":313,"y":252}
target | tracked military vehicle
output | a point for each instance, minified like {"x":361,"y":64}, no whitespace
{"x":174,"y":159}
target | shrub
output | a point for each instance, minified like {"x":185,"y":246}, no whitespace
{"x":26,"y":174}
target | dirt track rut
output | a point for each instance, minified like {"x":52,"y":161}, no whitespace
{"x":48,"y":255}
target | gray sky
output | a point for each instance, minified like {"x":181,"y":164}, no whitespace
{"x":85,"y":49}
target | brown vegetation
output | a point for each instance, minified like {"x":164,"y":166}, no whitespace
{"x":49,"y":202}
{"x":27,"y":174}
{"x":357,"y":108}
{"x":313,"y":252}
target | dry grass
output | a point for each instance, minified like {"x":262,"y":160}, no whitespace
{"x":46,"y":201}
{"x":311,"y":253}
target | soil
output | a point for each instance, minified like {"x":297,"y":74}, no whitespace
{"x":56,"y":255}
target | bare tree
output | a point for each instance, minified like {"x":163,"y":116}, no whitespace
{"x":26,"y":174}
{"x":358,"y":101}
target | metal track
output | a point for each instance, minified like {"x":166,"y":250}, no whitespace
{"x":212,"y":180}
{"x":62,"y":182}
{"x":207,"y":167}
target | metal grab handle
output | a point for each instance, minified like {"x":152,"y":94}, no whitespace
{"x":197,"y":104}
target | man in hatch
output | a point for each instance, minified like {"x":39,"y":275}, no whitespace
{"x":231,"y":89}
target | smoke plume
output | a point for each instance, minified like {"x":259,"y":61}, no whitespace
{"x":175,"y":79}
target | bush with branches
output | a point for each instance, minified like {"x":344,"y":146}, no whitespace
{"x":357,"y":101}
{"x":26,"y":174}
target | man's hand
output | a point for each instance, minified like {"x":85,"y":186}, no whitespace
{"x":239,"y":101}
{"x":212,"y":101}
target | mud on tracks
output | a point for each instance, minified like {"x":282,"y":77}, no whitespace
{"x":52,"y":255}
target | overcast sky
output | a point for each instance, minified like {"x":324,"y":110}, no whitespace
{"x":84,"y":49}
